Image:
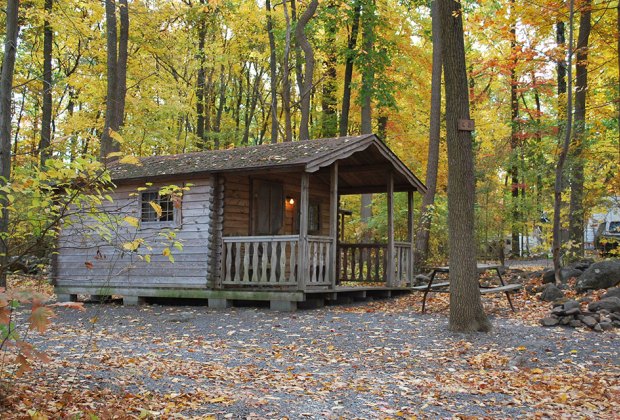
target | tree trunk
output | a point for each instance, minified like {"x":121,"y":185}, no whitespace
{"x":46,"y":110}
{"x":576,"y":221}
{"x":329,"y":118}
{"x":121,"y":64}
{"x":273,"y":74}
{"x":348,"y":69}
{"x":514,"y":138}
{"x":368,"y":75}
{"x":466,"y":311}
{"x":302,"y":41}
{"x":298,"y":67}
{"x":559,"y":169}
{"x":432,"y":165}
{"x":200,"y":81}
{"x":6,"y":88}
{"x":108,"y":144}
{"x":220,"y":109}
{"x":286,"y":81}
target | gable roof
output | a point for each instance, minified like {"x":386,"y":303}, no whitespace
{"x":310,"y":156}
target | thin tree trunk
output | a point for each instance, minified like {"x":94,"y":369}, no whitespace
{"x":121,"y":64}
{"x":368,"y":75}
{"x":576,"y":221}
{"x":6,"y":89}
{"x":329,"y":118}
{"x":466,"y":311}
{"x":298,"y":66}
{"x":273,"y":74}
{"x":286,"y":81}
{"x":348,"y":70}
{"x":46,"y":111}
{"x":200,"y":82}
{"x":514,"y":138}
{"x":302,"y":41}
{"x":559,"y":170}
{"x":220,"y":109}
{"x":432,"y":164}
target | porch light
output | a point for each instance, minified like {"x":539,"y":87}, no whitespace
{"x":290,"y":200}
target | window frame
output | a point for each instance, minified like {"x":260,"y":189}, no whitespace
{"x":176,"y":213}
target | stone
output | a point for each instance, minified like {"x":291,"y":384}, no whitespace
{"x":548,"y":277}
{"x":568,"y":273}
{"x":132,"y":300}
{"x":575,"y":323}
{"x":571,"y":304}
{"x":582,"y":264}
{"x":283,"y":305}
{"x":181,"y":317}
{"x":614,"y":317}
{"x":597,"y":328}
{"x":565,"y":320}
{"x":549,"y":321}
{"x":64,"y":297}
{"x":611,"y":304}
{"x":217,"y":303}
{"x":600,"y":275}
{"x":589,"y":321}
{"x":551,"y":293}
{"x":558,"y":310}
{"x":606,"y":326}
{"x":613,"y":292}
{"x":573,"y":311}
{"x":616,"y":324}
{"x":421,"y":279}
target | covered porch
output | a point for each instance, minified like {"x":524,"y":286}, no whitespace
{"x":294,"y":240}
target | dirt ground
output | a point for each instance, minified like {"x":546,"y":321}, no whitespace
{"x":378,"y":359}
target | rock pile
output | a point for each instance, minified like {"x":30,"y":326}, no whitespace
{"x":600,"y":315}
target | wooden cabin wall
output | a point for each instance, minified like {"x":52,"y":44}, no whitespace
{"x":84,"y":260}
{"x":238,"y":206}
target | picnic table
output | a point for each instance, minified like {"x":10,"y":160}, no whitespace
{"x":444,"y":287}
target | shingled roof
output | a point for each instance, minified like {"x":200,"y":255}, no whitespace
{"x":308,"y":155}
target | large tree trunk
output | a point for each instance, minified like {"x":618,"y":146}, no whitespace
{"x":6,"y":89}
{"x":466,"y":311}
{"x":514,"y":138}
{"x":329,"y":118}
{"x":348,"y":69}
{"x":46,"y":110}
{"x":273,"y":74}
{"x":422,"y":239}
{"x":302,"y":41}
{"x":117,"y":75}
{"x":581,"y":87}
{"x":108,"y":144}
{"x":286,"y":81}
{"x":559,"y":169}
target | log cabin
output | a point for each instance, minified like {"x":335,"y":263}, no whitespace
{"x":257,"y":223}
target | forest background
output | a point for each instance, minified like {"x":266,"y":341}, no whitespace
{"x":174,"y":76}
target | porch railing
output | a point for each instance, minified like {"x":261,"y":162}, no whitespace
{"x":367,"y":262}
{"x":273,"y":261}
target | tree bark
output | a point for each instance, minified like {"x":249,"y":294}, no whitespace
{"x":329,"y":118}
{"x":423,"y":236}
{"x":273,"y":69}
{"x":200,"y":81}
{"x":121,"y":64}
{"x":348,"y":69}
{"x":302,"y":41}
{"x":46,"y":110}
{"x":466,"y":311}
{"x":368,"y":75}
{"x":559,"y":169}
{"x":6,"y":89}
{"x":108,"y":144}
{"x":576,"y":220}
{"x":514,"y":139}
{"x":286,"y":81}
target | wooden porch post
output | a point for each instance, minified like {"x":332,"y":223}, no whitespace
{"x":410,"y":234}
{"x":390,"y":245}
{"x":304,"y":201}
{"x":333,"y":228}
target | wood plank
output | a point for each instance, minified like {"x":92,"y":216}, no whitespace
{"x":304,"y":202}
{"x":390,"y":233}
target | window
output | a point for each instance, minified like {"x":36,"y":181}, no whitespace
{"x":314,"y":218}
{"x":151,"y":203}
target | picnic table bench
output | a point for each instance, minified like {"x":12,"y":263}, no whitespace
{"x":444,"y":287}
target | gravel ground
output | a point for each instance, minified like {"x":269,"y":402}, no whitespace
{"x":367,"y":360}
